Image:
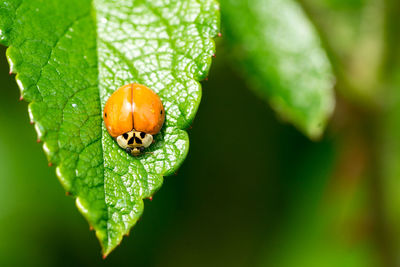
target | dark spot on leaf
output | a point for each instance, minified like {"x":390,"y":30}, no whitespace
{"x":138,"y":140}
{"x":142,"y":134}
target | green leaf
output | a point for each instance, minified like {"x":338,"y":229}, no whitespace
{"x":70,"y":56}
{"x":282,"y":57}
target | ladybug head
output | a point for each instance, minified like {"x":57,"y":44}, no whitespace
{"x":134,"y":142}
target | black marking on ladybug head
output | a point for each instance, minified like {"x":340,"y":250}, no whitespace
{"x":138,"y":141}
{"x":130,"y":142}
{"x":142,"y":134}
{"x":125,"y":136}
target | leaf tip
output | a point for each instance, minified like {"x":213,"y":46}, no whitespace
{"x":107,"y":251}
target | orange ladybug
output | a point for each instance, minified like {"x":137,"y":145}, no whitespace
{"x":132,"y":115}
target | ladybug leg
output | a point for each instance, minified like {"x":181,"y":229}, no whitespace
{"x":142,"y":148}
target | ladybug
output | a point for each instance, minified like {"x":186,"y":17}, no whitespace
{"x":132,"y":115}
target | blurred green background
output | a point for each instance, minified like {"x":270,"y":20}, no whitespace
{"x":281,"y":200}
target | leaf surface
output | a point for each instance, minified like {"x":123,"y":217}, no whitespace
{"x":282,"y":57}
{"x":70,"y":56}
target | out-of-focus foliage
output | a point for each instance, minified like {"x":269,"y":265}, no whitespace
{"x":329,"y":216}
{"x":353,"y":32}
{"x":281,"y":55}
{"x":365,"y":45}
{"x":390,"y":136}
